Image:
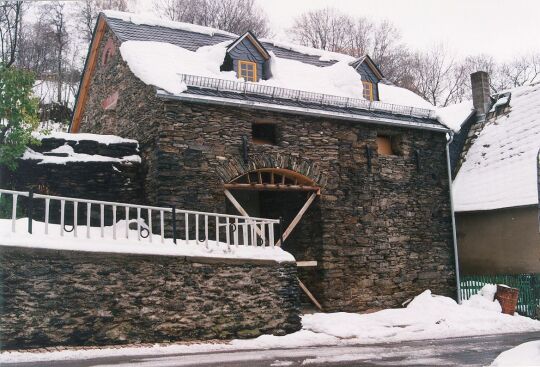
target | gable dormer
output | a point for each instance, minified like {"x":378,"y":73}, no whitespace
{"x":371,"y":76}
{"x":247,"y":57}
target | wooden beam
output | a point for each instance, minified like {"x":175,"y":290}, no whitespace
{"x":87,"y":76}
{"x":297,"y":218}
{"x":270,"y":187}
{"x":241,"y":210}
{"x":310,"y":296}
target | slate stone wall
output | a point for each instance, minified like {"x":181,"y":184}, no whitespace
{"x":383,"y":233}
{"x":98,"y":180}
{"x":53,"y":297}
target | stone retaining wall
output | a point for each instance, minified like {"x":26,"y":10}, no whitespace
{"x":54,"y":297}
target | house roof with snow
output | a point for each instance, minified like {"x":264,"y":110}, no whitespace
{"x":194,"y":63}
{"x":500,"y":167}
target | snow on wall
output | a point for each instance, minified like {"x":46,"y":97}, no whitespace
{"x":101,"y":139}
{"x":500,"y":167}
{"x":68,"y":155}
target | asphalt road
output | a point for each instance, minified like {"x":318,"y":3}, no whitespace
{"x":470,"y":351}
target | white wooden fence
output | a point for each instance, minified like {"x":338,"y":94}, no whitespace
{"x":150,"y":221}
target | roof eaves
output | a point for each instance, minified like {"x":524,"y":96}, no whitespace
{"x":371,"y":118}
{"x":254,"y":41}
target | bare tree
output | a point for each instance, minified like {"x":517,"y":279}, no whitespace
{"x":89,"y":11}
{"x":520,"y":71}
{"x":330,"y":29}
{"x":438,"y":77}
{"x":10,"y":28}
{"x":236,"y":16}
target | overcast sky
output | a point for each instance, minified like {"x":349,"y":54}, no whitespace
{"x":501,"y":28}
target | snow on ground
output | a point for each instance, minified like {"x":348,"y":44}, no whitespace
{"x":129,"y":245}
{"x":454,"y":116}
{"x":484,"y":299}
{"x":426,"y":317}
{"x":500,"y":167}
{"x":47,"y":92}
{"x":526,"y":354}
{"x":30,"y":154}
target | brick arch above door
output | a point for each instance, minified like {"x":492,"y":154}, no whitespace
{"x":231,"y":169}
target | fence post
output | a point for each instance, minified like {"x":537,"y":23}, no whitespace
{"x":174,"y":223}
{"x":30,"y":209}
{"x":281,"y":231}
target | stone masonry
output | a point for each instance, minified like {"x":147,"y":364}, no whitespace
{"x":383,"y":232}
{"x":54,"y":297}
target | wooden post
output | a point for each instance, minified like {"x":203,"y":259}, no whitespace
{"x":297,"y":218}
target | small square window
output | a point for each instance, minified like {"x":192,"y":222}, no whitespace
{"x":388,"y":145}
{"x":264,"y":133}
{"x":247,"y":70}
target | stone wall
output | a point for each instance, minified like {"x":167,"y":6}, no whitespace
{"x":119,"y":181}
{"x":52,"y":297}
{"x":383,"y":233}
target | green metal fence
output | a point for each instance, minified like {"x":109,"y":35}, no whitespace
{"x":528,"y":285}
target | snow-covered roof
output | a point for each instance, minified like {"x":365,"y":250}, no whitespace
{"x":455,"y":115}
{"x":500,"y":169}
{"x":161,"y":58}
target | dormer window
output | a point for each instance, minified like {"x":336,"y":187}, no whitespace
{"x":368,"y":90}
{"x":247,"y":70}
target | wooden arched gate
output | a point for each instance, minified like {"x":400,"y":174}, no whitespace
{"x":277,"y":179}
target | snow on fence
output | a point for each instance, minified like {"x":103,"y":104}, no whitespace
{"x":528,"y":285}
{"x":302,"y":96}
{"x":149,"y":221}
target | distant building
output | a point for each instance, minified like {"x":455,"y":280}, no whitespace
{"x":356,"y":167}
{"x":496,"y":179}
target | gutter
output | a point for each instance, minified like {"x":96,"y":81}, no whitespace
{"x":188,"y":97}
{"x":454,"y":234}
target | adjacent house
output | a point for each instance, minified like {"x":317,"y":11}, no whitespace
{"x":496,"y":179}
{"x":356,"y":168}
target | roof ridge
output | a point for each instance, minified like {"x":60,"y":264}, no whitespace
{"x":152,"y":20}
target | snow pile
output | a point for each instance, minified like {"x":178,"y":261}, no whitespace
{"x":159,"y":63}
{"x":66,"y":154}
{"x":485,"y":299}
{"x":339,"y":79}
{"x":426,"y":317}
{"x":148,"y":19}
{"x":130,"y":245}
{"x":454,"y":116}
{"x":101,"y":139}
{"x":500,"y":167}
{"x":526,"y":354}
{"x":323,"y":54}
{"x":402,"y":96}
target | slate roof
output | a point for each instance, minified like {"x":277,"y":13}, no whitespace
{"x":499,"y":170}
{"x":128,"y":31}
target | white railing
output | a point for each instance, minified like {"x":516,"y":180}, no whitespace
{"x":152,"y":223}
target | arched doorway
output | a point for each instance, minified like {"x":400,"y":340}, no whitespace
{"x":286,"y":194}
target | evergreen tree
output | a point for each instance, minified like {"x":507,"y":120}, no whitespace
{"x":18,"y":114}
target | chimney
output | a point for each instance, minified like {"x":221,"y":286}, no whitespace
{"x":481,"y":94}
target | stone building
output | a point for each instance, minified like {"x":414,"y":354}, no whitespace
{"x":494,"y":157}
{"x":358,"y":172}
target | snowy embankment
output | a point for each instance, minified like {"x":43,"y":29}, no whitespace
{"x":426,"y":317}
{"x":130,"y":245}
{"x":526,"y":354}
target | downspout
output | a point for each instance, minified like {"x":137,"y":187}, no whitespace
{"x":454,"y":235}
